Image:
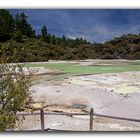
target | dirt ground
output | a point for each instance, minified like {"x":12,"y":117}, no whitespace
{"x":116,"y":94}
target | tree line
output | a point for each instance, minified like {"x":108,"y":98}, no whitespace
{"x":18,"y":28}
{"x":19,"y":43}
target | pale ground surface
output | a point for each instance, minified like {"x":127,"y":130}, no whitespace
{"x":116,"y":94}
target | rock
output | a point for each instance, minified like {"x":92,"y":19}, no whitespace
{"x":37,"y":106}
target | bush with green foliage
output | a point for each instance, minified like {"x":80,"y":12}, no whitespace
{"x":14,"y":94}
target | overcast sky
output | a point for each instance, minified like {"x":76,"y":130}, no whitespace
{"x":95,"y":25}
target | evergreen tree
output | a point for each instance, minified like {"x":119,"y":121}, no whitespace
{"x":23,"y":26}
{"x":44,"y":33}
{"x":17,"y":36}
{"x":53,"y":39}
{"x":63,"y":41}
{"x":6,"y":25}
{"x":64,"y":38}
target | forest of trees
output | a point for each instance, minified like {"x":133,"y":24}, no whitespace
{"x":19,"y":43}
